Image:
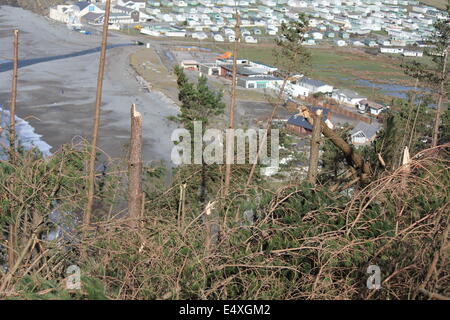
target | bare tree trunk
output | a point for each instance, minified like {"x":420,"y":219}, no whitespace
{"x":437,"y":120}
{"x":12,"y":110}
{"x":98,"y":102}
{"x":135,"y":197}
{"x":230,"y":152}
{"x":181,"y":206}
{"x":12,"y":143}
{"x":315,"y":144}
{"x":11,"y":245}
{"x":202,"y":196}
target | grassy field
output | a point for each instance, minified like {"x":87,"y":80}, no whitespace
{"x":339,"y":67}
{"x":440,"y":4}
{"x":147,"y":64}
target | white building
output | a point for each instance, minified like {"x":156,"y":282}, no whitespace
{"x":250,"y":39}
{"x":210,"y":69}
{"x":218,"y":38}
{"x":363,"y":133}
{"x":315,"y":86}
{"x":266,"y":68}
{"x":62,"y":13}
{"x":297,"y":4}
{"x":420,"y":9}
{"x":347,"y":96}
{"x":200,"y":35}
{"x":317,"y":36}
{"x":341,"y":43}
{"x":85,"y":8}
{"x":371,"y":107}
{"x":412,"y":53}
{"x":180,"y":3}
{"x":296,"y":90}
{"x":135,"y":4}
{"x":391,"y":50}
{"x":260,"y":82}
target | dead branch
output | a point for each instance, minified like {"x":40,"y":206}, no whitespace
{"x":352,"y":156}
{"x":315,"y":147}
{"x":433,"y":295}
{"x":12,"y":111}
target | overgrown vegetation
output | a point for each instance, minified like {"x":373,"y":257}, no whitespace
{"x":290,"y":243}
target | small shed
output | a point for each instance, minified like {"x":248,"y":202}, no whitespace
{"x":371,"y":107}
{"x":189,"y":65}
{"x":259,"y":82}
{"x":210,"y":69}
{"x":363,"y":133}
{"x":300,"y":126}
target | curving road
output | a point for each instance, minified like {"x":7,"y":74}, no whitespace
{"x":57,"y":83}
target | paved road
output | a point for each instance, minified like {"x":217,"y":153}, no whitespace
{"x":56,"y":93}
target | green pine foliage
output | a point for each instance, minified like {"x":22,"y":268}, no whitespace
{"x":198,"y":101}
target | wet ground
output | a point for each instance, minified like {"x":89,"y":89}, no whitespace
{"x":57,"y":84}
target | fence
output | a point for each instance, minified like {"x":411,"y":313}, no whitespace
{"x":334,"y":108}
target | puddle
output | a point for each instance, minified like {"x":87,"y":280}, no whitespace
{"x":393,"y":90}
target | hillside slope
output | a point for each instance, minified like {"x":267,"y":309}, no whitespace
{"x":38,"y":6}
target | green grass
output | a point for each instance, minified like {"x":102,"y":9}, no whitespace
{"x":440,"y":4}
{"x":381,"y":32}
{"x":130,"y":31}
{"x":339,"y":67}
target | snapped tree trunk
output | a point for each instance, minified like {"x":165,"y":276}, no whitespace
{"x":212,"y":227}
{"x":406,"y":167}
{"x":353,"y":158}
{"x":315,"y":144}
{"x":135,"y":196}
